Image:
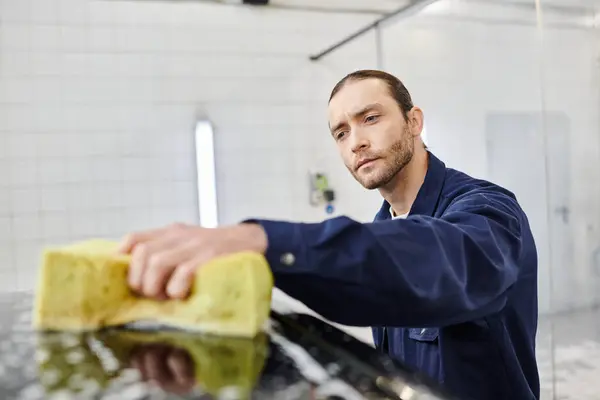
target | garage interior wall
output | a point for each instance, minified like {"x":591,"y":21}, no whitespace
{"x":98,"y":102}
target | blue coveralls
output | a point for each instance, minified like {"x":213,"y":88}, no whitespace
{"x":450,"y":291}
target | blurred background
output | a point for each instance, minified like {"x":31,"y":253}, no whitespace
{"x":123,"y":115}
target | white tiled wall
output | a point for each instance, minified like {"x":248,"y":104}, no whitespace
{"x":98,"y":101}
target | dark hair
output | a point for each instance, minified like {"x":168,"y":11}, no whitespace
{"x":397,"y":89}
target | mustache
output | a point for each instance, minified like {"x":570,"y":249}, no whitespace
{"x":365,"y":156}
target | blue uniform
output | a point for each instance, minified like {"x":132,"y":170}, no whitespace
{"x":450,"y":291}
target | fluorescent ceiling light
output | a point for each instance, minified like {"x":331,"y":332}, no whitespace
{"x":436,"y":7}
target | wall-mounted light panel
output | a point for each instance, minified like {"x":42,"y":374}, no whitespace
{"x":206,"y":172}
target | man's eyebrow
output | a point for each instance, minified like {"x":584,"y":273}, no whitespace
{"x":366,"y":109}
{"x":361,"y":112}
{"x":356,"y":114}
{"x":337,"y":126}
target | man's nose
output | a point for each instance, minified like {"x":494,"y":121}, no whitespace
{"x":360,"y":143}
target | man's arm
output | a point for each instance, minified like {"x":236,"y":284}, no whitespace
{"x":421,"y":271}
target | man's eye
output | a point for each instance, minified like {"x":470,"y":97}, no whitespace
{"x":339,"y":135}
{"x":371,"y":118}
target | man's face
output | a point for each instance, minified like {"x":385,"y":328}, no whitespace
{"x":370,"y":131}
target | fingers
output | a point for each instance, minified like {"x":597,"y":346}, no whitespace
{"x":135,"y":274}
{"x":163,"y":261}
{"x":155,"y":255}
{"x":181,"y":281}
{"x":161,"y":266}
{"x":147,"y":255}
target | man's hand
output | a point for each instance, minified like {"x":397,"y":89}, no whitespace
{"x":164,"y":260}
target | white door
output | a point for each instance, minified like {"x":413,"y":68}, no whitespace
{"x":516,"y":153}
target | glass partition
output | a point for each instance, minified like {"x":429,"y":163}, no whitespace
{"x":510,"y":93}
{"x":570,"y":77}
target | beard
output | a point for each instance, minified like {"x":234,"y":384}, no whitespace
{"x":391,"y":162}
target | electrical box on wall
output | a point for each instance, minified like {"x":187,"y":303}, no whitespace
{"x":321,"y":195}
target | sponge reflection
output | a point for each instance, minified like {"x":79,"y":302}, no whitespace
{"x":169,"y":361}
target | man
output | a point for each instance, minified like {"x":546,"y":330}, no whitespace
{"x":446,"y":274}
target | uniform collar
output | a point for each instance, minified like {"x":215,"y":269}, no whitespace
{"x":429,"y":193}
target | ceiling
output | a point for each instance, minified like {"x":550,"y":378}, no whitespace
{"x":566,"y":4}
{"x":386,"y":6}
{"x":379,"y":8}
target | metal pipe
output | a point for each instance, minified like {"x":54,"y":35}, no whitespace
{"x":411,"y":6}
{"x":333,"y":10}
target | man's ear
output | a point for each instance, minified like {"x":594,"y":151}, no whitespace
{"x":415,"y":121}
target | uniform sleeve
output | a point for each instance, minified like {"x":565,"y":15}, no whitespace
{"x":420,"y":271}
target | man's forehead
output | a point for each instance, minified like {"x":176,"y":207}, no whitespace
{"x":356,"y":96}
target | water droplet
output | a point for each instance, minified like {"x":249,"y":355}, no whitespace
{"x":75,"y":357}
{"x":333,"y":369}
{"x":230,"y":393}
{"x":50,"y":377}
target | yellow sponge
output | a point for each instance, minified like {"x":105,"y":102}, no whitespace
{"x":84,"y":287}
